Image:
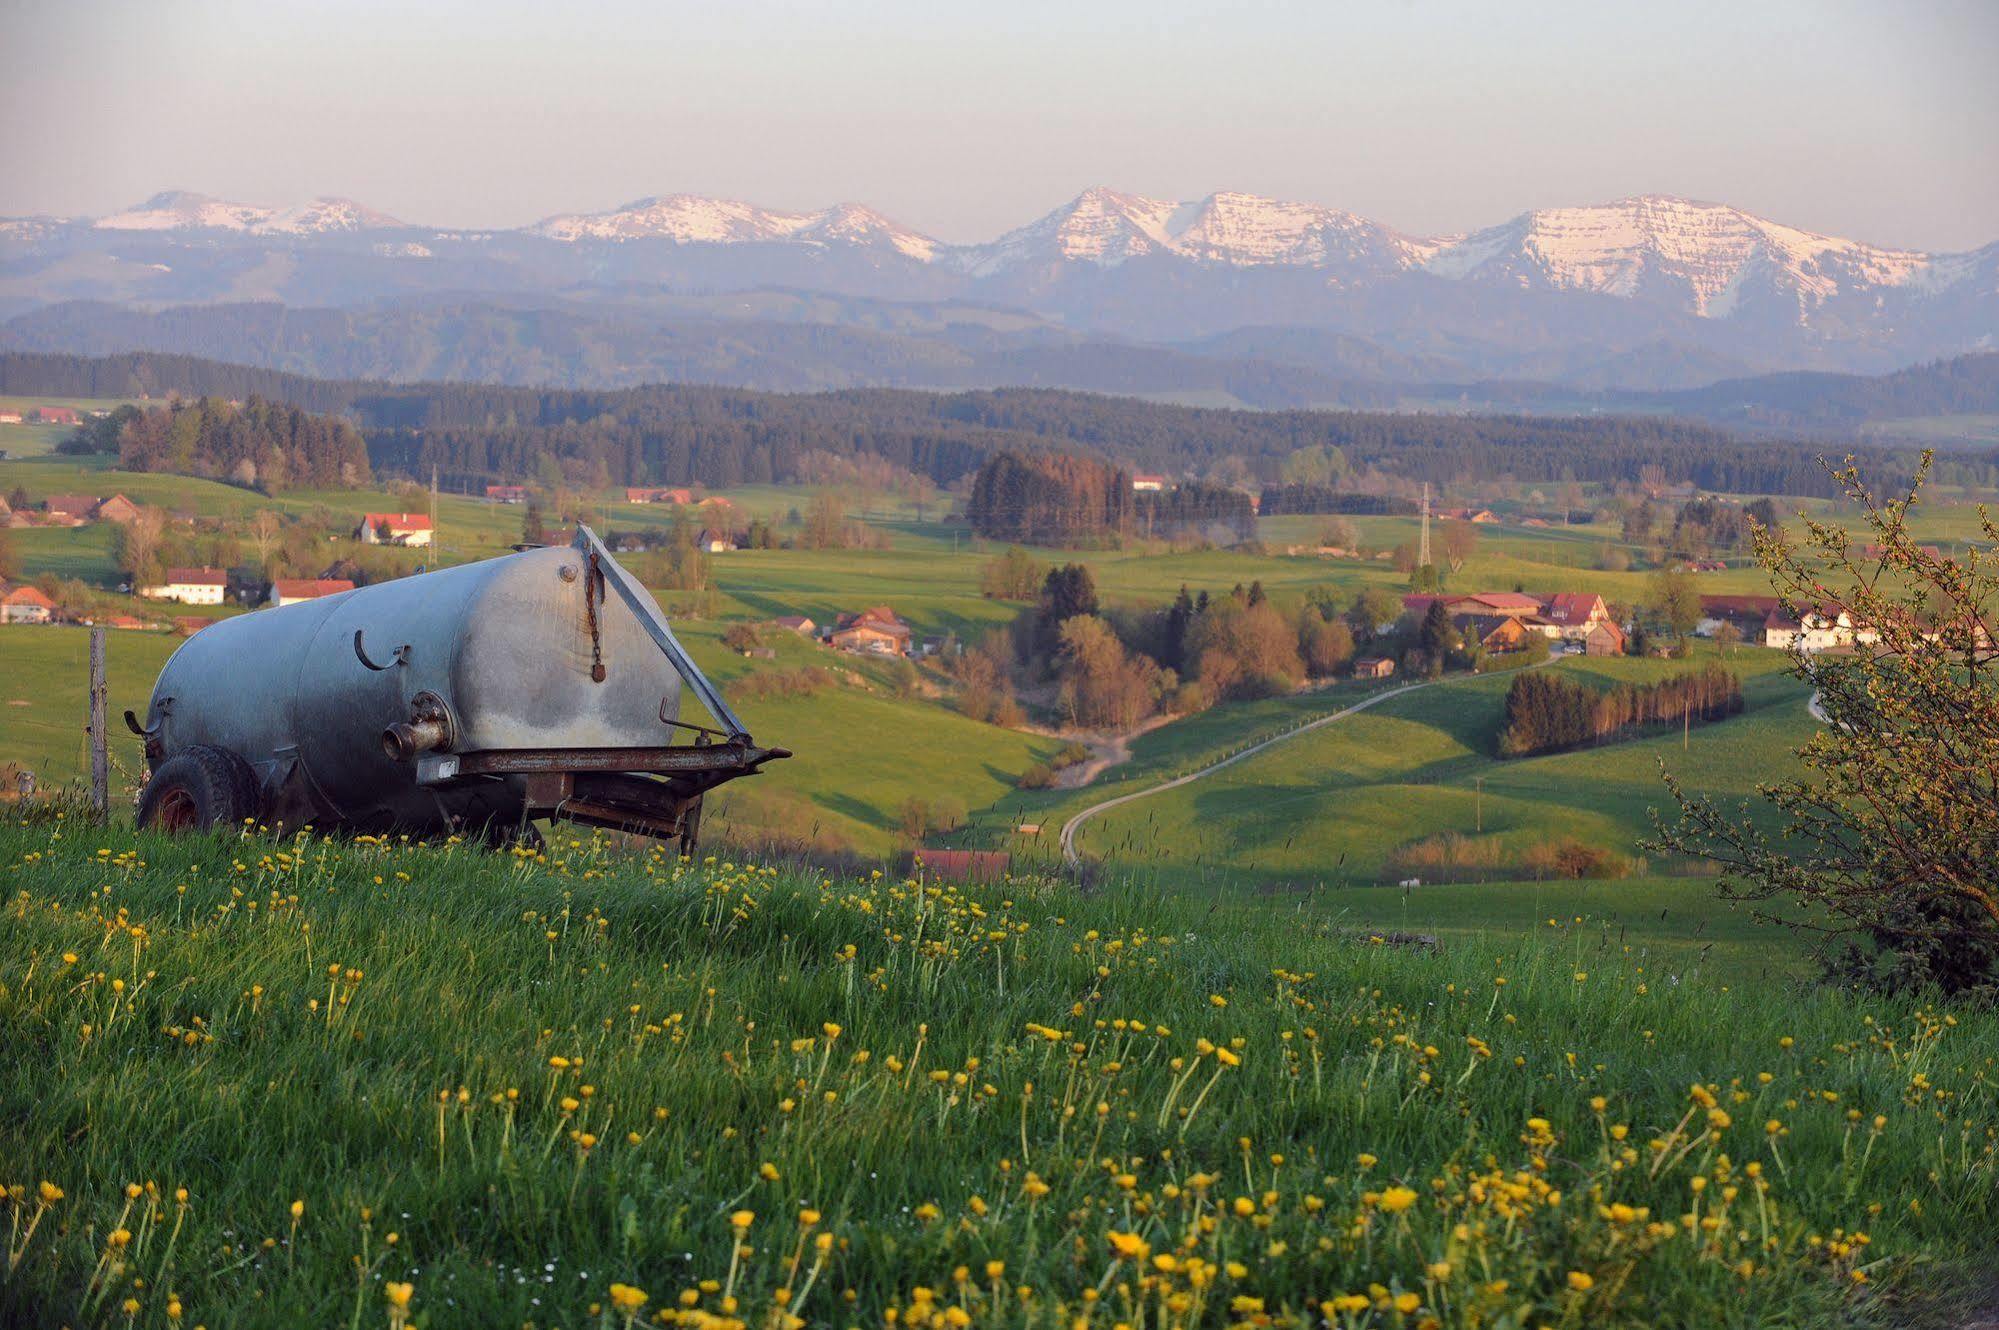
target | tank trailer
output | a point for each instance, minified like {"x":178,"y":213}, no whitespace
{"x":469,"y":700}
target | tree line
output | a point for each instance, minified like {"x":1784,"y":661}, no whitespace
{"x":258,"y":444}
{"x":678,"y":434}
{"x":1063,"y":499}
{"x":1546,"y":713}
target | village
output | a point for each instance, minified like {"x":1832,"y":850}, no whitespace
{"x":1497,"y":623}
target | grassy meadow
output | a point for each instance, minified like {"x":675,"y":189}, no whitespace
{"x":260,"y":1083}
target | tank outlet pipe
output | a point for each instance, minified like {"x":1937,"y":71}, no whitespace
{"x":640,"y":602}
{"x":428,"y":729}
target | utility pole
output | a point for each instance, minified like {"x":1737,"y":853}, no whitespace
{"x":1423,"y":548}
{"x":100,"y":757}
{"x":1478,"y":803}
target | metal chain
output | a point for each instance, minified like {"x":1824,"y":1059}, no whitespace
{"x":593,"y":589}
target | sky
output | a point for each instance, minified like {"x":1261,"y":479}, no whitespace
{"x":1876,"y":119}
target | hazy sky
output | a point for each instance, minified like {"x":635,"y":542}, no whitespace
{"x":1872,"y":118}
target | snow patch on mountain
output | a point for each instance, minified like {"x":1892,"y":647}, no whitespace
{"x":323,"y":216}
{"x":179,"y":210}
{"x":694,"y":219}
{"x":1106,"y":227}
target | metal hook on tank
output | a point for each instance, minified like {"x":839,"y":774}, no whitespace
{"x":400,"y":656}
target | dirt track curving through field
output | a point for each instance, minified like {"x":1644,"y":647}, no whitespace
{"x":1069,"y":828}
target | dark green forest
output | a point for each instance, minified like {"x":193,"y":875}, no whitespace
{"x":672,"y":434}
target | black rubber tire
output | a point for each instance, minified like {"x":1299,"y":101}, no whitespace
{"x":506,"y":836}
{"x":200,"y":789}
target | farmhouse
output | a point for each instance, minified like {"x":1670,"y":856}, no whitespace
{"x":292,"y":590}
{"x":117,"y":508}
{"x":876,"y":631}
{"x":25,"y":604}
{"x":648,"y":494}
{"x":57,"y":415}
{"x":1829,"y":627}
{"x":1494,"y":632}
{"x":1373,"y":667}
{"x":1500,"y":604}
{"x":69,"y":509}
{"x":1573,"y":615}
{"x":1747,"y":613}
{"x":190,"y":586}
{"x":1604,"y":638}
{"x":796,"y":623}
{"x":506,"y":494}
{"x":1479,"y":515}
{"x":394,"y":529}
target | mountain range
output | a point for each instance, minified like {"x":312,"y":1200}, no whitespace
{"x":1644,"y":293}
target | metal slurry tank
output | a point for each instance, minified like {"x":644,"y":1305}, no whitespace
{"x":540,"y":683}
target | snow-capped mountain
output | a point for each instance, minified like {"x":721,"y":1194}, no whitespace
{"x":1705,"y":258}
{"x":1648,"y":286}
{"x":179,"y":210}
{"x":1105,"y":227}
{"x":692,"y":219}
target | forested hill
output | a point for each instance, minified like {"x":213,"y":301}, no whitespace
{"x":1967,"y":385}
{"x":723,"y":437}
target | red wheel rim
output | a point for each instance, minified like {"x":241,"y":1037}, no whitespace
{"x":176,"y":811}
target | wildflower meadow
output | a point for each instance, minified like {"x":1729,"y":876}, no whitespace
{"x":300,"y":1082}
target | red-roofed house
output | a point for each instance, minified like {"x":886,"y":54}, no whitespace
{"x":1574,"y":614}
{"x":190,"y":586}
{"x":506,"y":494}
{"x":1747,"y":613}
{"x":57,"y":415}
{"x":650,"y":494}
{"x":1502,"y":604}
{"x":292,"y":590}
{"x":117,"y":508}
{"x":25,"y":604}
{"x":69,"y":509}
{"x":394,"y":529}
{"x":875,"y":631}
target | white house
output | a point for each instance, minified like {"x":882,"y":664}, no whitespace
{"x":394,"y":529}
{"x":1827,"y":628}
{"x":190,"y":586}
{"x":1572,"y":616}
{"x":25,"y":604}
{"x":292,"y":590}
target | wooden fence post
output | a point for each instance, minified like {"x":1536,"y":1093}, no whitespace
{"x":100,"y":757}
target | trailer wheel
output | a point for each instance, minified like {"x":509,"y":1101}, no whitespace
{"x":198,"y":790}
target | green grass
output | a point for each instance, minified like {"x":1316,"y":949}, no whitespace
{"x":325,"y":1069}
{"x":45,"y":698}
{"x":1332,"y":805}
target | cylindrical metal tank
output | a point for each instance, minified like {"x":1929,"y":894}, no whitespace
{"x":331,"y":702}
